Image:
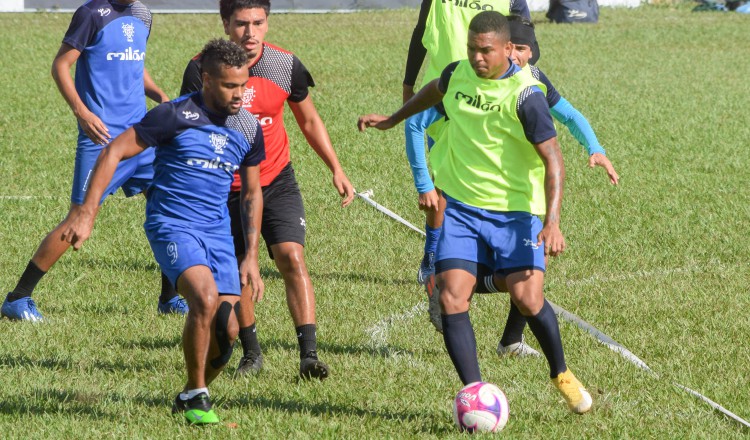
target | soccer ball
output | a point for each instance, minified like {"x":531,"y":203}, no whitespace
{"x":480,"y":407}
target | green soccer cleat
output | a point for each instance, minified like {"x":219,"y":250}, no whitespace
{"x":197,"y":411}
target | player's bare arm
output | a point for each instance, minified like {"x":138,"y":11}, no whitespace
{"x":81,"y":221}
{"x":428,"y":96}
{"x":315,"y":132}
{"x":152,"y":90}
{"x":252,"y":213}
{"x":90,"y":123}
{"x":554,"y":176}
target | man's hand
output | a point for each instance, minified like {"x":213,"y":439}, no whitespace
{"x":93,"y":127}
{"x":429,"y":201}
{"x":78,"y":228}
{"x":408,"y":93}
{"x":381,"y":122}
{"x":344,"y":187}
{"x":250,"y":275}
{"x":552,"y":238}
{"x":600,"y":160}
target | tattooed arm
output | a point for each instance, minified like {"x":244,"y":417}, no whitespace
{"x":251,"y":206}
{"x":554,"y":175}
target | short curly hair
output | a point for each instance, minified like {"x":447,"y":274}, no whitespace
{"x":220,"y":52}
{"x":227,"y":7}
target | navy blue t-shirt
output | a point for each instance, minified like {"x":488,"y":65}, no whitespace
{"x":109,"y":72}
{"x":553,"y":96}
{"x":532,"y":108}
{"x":197,"y":153}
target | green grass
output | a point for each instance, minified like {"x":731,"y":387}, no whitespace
{"x":659,"y":263}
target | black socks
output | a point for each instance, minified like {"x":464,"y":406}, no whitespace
{"x":27,"y":283}
{"x":306,"y":339}
{"x":461,"y":344}
{"x":547,"y":331}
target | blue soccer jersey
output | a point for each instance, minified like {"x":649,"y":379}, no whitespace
{"x":109,"y":72}
{"x":197,"y":153}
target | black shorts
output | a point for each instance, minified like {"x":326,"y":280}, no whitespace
{"x":283,"y":213}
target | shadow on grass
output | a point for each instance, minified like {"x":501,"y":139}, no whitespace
{"x":51,"y":401}
{"x":85,"y":364}
{"x":153,"y":343}
{"x":414,"y":419}
{"x":327,"y":347}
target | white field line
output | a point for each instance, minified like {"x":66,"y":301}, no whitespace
{"x":31,"y":197}
{"x":379,"y":331}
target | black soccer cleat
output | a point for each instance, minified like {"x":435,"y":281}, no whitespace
{"x":311,"y":367}
{"x":250,"y":364}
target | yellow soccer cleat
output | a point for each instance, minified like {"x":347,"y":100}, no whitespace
{"x":578,"y":399}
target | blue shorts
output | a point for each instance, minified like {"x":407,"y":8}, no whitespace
{"x":133,"y":175}
{"x":178,"y":248}
{"x":503,"y":241}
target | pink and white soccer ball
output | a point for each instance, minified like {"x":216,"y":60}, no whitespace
{"x":480,"y":407}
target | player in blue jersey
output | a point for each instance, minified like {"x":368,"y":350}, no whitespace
{"x":200,"y":140}
{"x":106,"y":40}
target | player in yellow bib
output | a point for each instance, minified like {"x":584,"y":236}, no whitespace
{"x":500,"y":168}
{"x":440,"y":32}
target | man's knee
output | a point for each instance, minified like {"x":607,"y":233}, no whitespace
{"x":290,"y":259}
{"x":452,"y":302}
{"x":203,"y":305}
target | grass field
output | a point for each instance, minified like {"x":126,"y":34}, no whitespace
{"x":659,"y":263}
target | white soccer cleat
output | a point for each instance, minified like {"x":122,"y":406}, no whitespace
{"x":518,"y":349}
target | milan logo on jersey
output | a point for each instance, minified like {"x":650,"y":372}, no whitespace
{"x":219,"y":141}
{"x":191,"y":116}
{"x":128,"y":30}
{"x":213,"y":164}
{"x":104,"y":11}
{"x":247,"y":97}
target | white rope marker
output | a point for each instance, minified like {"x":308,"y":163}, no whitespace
{"x":367,"y":197}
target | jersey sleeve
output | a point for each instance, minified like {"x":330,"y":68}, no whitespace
{"x":82,"y":29}
{"x":301,"y":81}
{"x":534,"y":114}
{"x":553,"y":96}
{"x":158,"y":126}
{"x":192,"y":80}
{"x":258,"y":150}
{"x":520,"y":7}
{"x":417,"y":51}
{"x":445,"y":77}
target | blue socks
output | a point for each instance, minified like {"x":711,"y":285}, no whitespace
{"x":430,"y":244}
{"x":461,"y":344}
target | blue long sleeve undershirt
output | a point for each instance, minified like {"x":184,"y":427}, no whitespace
{"x":577,"y":124}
